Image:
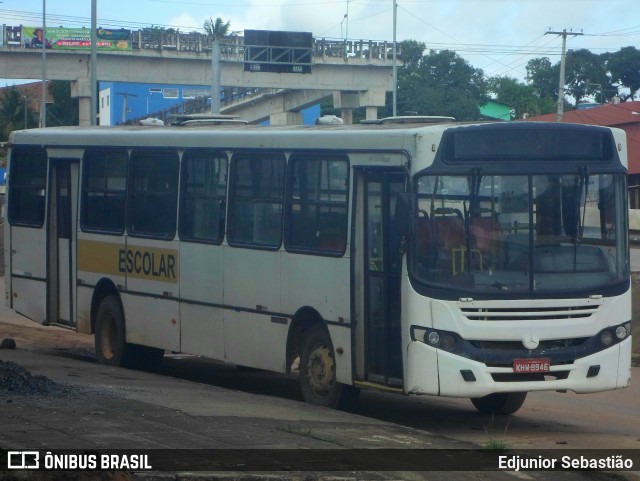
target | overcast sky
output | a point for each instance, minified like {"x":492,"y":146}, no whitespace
{"x":498,"y":36}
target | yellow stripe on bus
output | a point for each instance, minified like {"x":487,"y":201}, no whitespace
{"x":135,"y":261}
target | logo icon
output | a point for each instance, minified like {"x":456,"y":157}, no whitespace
{"x":23,"y":460}
{"x":531,"y":343}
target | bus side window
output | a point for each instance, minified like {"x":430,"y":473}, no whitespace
{"x":153,"y":195}
{"x":317,"y":204}
{"x":203,"y":193}
{"x":28,"y":182}
{"x":255,"y":200}
{"x":104,"y":190}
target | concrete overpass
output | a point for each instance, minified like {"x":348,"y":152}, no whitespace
{"x":354,"y":81}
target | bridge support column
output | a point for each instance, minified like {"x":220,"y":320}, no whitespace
{"x":286,"y":118}
{"x":372,"y":113}
{"x":370,"y":99}
{"x":81,"y":89}
{"x":346,"y":102}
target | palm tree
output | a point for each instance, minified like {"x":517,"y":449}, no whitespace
{"x":217,"y":28}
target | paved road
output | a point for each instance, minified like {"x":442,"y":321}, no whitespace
{"x":195,"y":403}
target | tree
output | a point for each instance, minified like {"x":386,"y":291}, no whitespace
{"x":543,"y":77}
{"x":624,"y":68}
{"x":64,"y":110}
{"x":523,"y":98}
{"x":12,"y":112}
{"x":586,"y":75}
{"x":217,"y":28}
{"x":411,"y":54}
{"x":441,"y":83}
{"x":154,"y":30}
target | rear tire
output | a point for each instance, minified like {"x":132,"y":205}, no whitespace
{"x":500,"y":404}
{"x":318,"y":383}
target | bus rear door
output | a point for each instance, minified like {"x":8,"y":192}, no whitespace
{"x":61,"y":241}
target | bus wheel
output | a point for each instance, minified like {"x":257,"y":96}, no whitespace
{"x":111,"y":348}
{"x":318,"y":370}
{"x":502,"y":403}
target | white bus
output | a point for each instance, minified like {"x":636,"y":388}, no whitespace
{"x":481,"y":261}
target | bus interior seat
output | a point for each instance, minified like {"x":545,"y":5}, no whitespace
{"x":332,"y":231}
{"x":449,"y":233}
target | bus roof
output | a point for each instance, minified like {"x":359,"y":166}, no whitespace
{"x":230,"y":135}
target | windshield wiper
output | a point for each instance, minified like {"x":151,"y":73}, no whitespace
{"x":581,"y":212}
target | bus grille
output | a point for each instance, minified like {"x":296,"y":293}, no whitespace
{"x":546,"y":345}
{"x":529,"y":313}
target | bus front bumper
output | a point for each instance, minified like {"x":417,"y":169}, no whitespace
{"x":435,"y":371}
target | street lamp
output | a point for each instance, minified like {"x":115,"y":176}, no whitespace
{"x":149,"y":94}
{"x":346,"y":15}
{"x":341,"y":23}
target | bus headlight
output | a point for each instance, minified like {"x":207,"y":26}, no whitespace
{"x":623,"y":331}
{"x":606,"y":338}
{"x":436,"y":338}
{"x":448,"y":342}
{"x":615,"y":334}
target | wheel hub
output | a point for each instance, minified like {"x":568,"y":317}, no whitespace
{"x":320,"y":369}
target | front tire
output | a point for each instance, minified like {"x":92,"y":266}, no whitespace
{"x":110,"y":342}
{"x":501,"y":404}
{"x":318,"y":383}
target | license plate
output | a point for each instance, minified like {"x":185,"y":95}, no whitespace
{"x":531,"y":365}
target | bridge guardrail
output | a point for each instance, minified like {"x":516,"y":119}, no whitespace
{"x":232,"y":47}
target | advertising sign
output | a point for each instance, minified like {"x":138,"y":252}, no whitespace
{"x":12,"y":36}
{"x":60,"y":38}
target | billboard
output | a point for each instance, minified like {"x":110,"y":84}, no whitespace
{"x":60,"y":38}
{"x":12,"y":36}
{"x":277,"y":51}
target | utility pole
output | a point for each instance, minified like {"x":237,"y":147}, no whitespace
{"x":26,"y":100}
{"x":395,"y":66}
{"x":563,"y":57}
{"x":216,"y":75}
{"x":94,"y":63}
{"x":43,"y":88}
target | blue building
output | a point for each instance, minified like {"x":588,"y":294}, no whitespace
{"x":121,"y":102}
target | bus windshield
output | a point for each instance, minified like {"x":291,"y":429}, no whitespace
{"x":520,"y":233}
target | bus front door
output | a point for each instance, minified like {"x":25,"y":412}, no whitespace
{"x":384,"y":214}
{"x":61,"y":223}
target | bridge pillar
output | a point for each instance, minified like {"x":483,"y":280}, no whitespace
{"x":286,"y":118}
{"x":372,"y":113}
{"x":81,"y":89}
{"x":346,"y":102}
{"x":370,"y":99}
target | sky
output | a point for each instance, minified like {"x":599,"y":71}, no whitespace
{"x":497,"y":36}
